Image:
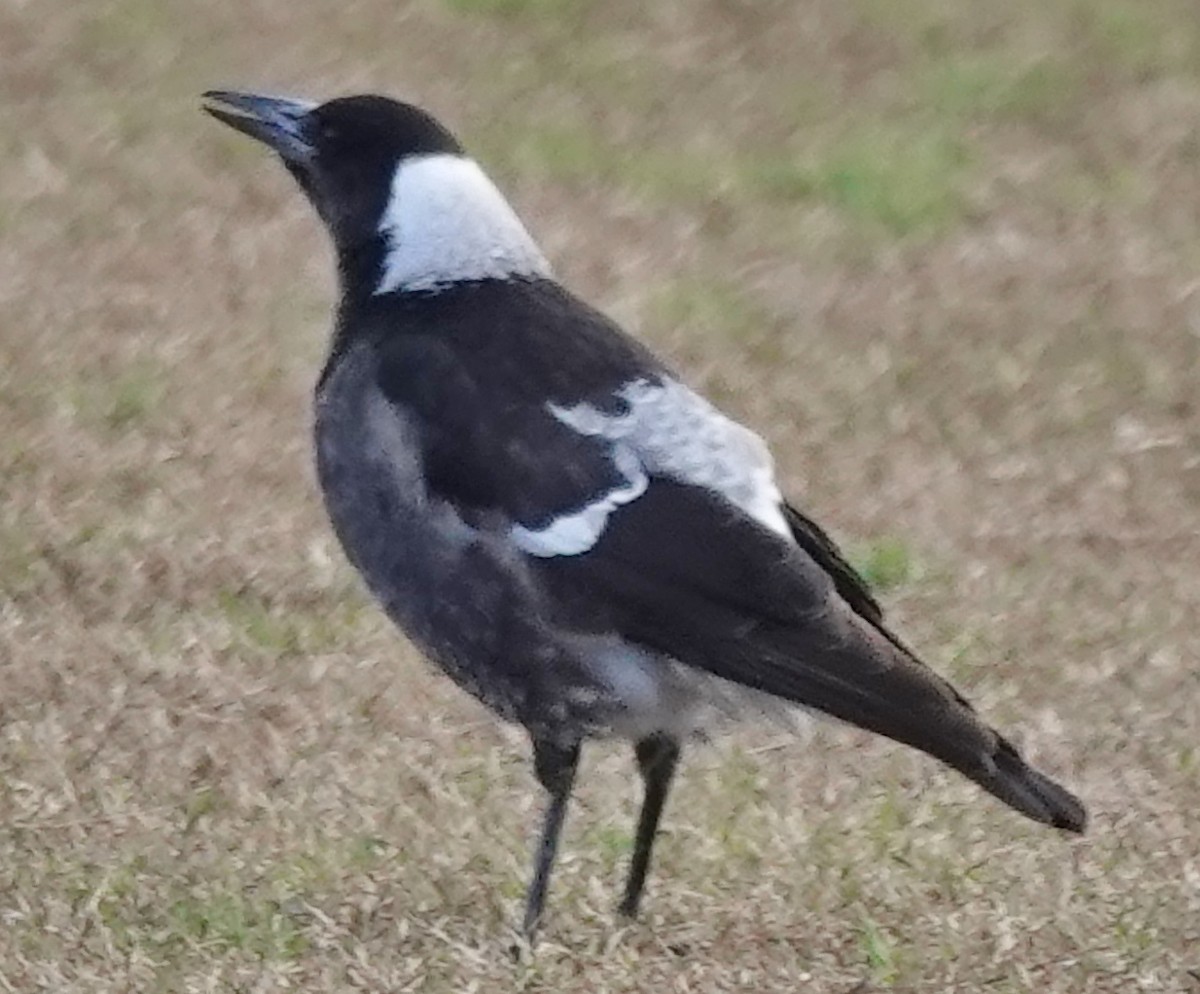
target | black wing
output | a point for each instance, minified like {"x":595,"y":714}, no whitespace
{"x":680,"y":568}
{"x":848,"y":582}
{"x":854,"y":590}
{"x":682,"y":572}
{"x":480,"y":389}
{"x":677,"y":571}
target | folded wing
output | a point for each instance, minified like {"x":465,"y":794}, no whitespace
{"x":640,"y":510}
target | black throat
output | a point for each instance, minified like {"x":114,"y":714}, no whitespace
{"x":360,"y":269}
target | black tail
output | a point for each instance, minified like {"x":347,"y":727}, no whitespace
{"x":1006,"y":775}
{"x":803,"y":627}
{"x":882,"y":686}
{"x":867,"y":677}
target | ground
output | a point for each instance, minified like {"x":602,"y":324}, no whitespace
{"x":945,"y":255}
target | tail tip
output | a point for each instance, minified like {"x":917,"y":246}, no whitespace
{"x":1075,"y":821}
{"x":1036,"y":795}
{"x":1069,"y":814}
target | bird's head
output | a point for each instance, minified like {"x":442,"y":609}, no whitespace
{"x":407,"y":210}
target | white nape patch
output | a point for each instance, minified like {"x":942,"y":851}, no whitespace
{"x":572,"y":534}
{"x":445,"y":222}
{"x":675,"y":432}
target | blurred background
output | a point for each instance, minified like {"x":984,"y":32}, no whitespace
{"x":944,"y":254}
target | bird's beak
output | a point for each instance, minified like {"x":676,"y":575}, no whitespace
{"x":277,"y":122}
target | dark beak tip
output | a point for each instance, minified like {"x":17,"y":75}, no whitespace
{"x":210,"y":97}
{"x":224,"y":106}
{"x":231,"y":103}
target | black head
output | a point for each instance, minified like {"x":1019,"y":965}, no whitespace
{"x":407,"y":210}
{"x":343,"y":153}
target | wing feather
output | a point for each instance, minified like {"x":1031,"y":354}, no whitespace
{"x":683,"y":573}
{"x":660,"y":523}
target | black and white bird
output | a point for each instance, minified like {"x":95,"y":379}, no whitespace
{"x":576,"y":537}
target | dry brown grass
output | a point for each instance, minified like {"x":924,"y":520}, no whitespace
{"x":946,"y":261}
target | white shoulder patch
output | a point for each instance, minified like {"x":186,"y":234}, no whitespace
{"x":676,"y":432}
{"x":575,"y":533}
{"x":445,"y":222}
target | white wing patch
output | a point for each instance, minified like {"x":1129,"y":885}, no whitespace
{"x":671,"y":430}
{"x":572,"y":534}
{"x":445,"y":222}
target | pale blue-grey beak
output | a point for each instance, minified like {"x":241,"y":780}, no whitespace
{"x":278,"y":122}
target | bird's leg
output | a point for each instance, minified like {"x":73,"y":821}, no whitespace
{"x":657,"y":757}
{"x":555,"y":767}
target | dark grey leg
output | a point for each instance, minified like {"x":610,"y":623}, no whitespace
{"x":555,"y":768}
{"x":657,"y":757}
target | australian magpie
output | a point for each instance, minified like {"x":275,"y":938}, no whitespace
{"x":576,"y":537}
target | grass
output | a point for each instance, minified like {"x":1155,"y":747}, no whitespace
{"x":945,"y":260}
{"x":900,"y":182}
{"x":989,"y":86}
{"x":885,"y":180}
{"x":512,"y":8}
{"x":886,"y":564}
{"x":709,"y":308}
